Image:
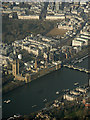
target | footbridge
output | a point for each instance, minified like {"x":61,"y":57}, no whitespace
{"x":77,"y":68}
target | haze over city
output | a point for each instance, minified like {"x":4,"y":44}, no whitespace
{"x":45,"y":60}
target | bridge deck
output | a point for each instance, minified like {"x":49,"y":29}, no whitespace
{"x":77,"y":68}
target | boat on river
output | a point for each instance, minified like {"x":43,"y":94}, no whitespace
{"x":76,"y":83}
{"x":34,"y":106}
{"x":17,"y":116}
{"x":57,"y":92}
{"x":7,"y":101}
{"x":45,"y":100}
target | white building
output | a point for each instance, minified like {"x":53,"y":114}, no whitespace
{"x":28,"y":17}
{"x":55,"y":17}
{"x":65,"y":27}
{"x":74,"y":92}
{"x":69,"y":97}
{"x":85,"y":37}
{"x":85,"y":40}
{"x":77,"y":43}
{"x":81,"y":90}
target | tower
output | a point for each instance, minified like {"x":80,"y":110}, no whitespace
{"x":57,"y":6}
{"x":14,"y":68}
{"x":19,"y":58}
{"x":18,"y":65}
{"x":46,"y":63}
{"x":27,"y":78}
{"x":35,"y":64}
{"x":66,"y":55}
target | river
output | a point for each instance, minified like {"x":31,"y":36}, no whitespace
{"x":23,"y":98}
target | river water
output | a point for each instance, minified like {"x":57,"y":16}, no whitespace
{"x":23,"y":98}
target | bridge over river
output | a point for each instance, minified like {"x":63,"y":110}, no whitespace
{"x":77,"y":68}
